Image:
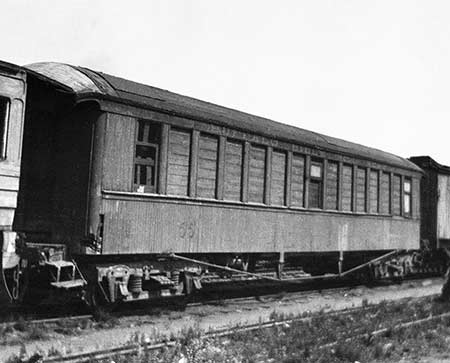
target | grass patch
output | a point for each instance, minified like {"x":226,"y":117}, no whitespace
{"x":312,"y":340}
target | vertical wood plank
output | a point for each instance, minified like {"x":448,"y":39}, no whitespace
{"x":245,"y":172}
{"x":119,"y":152}
{"x":380,"y":180}
{"x":391,"y":192}
{"x":163,"y":155}
{"x":354,"y":190}
{"x":324,"y":183}
{"x":340,"y":178}
{"x":288,"y":179}
{"x":194,"y":163}
{"x":221,"y":167}
{"x":307,"y":177}
{"x":367,"y":190}
{"x":402,"y":194}
{"x":268,"y":175}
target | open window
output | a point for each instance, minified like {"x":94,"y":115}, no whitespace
{"x":146,"y":156}
{"x":4,"y":117}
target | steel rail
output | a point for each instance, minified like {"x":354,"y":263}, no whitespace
{"x":132,"y":349}
{"x":386,"y":330}
{"x":46,"y":321}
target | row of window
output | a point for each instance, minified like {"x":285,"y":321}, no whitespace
{"x":361,"y":191}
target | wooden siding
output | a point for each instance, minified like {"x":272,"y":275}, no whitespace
{"x":373,"y":191}
{"x":157,"y":226}
{"x":252,"y":135}
{"x":297,"y":180}
{"x":207,"y":166}
{"x":14,"y":89}
{"x":443,"y":207}
{"x":416,"y":199}
{"x":347,"y":188}
{"x":385,"y":193}
{"x":178,"y":163}
{"x":331,"y":201}
{"x":256,"y":174}
{"x":360,"y":190}
{"x":119,"y":152}
{"x":278,"y":178}
{"x":233,"y":170}
{"x":397,"y":196}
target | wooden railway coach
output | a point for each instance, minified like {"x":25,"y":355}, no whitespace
{"x":12,"y":113}
{"x":435,"y":202}
{"x":123,"y":172}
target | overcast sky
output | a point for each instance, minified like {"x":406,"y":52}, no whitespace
{"x":372,"y":72}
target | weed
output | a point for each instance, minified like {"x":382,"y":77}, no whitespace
{"x":54,"y":352}
{"x":348,"y":352}
{"x":37,"y":332}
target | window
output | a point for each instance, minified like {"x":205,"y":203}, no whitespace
{"x":233,"y":170}
{"x":407,"y":197}
{"x":315,"y":185}
{"x":385,"y":193}
{"x":373,"y":191}
{"x":347,"y":188}
{"x":278,"y":178}
{"x":397,"y":196}
{"x":332,"y":185}
{"x":297,"y":180}
{"x":4,"y":116}
{"x":178,"y":162}
{"x":207,"y":166}
{"x":257,"y":174}
{"x":146,"y":156}
{"x":360,"y":190}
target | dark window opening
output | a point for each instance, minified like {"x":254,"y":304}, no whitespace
{"x":146,"y":156}
{"x":4,"y":116}
{"x":315,"y":185}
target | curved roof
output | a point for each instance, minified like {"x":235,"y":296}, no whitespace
{"x":427,"y":162}
{"x":87,"y":83}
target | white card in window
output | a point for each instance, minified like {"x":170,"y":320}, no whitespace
{"x":407,"y":187}
{"x":407,"y":206}
{"x":316,"y":171}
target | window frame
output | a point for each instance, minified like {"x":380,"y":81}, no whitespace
{"x":405,"y":195}
{"x":5,"y":129}
{"x":144,"y":162}
{"x":316,"y":180}
{"x":284,"y":184}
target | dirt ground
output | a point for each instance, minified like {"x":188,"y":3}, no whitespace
{"x":229,"y":314}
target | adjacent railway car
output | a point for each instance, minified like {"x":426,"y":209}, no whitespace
{"x":435,"y":202}
{"x":12,"y":113}
{"x":125,"y":175}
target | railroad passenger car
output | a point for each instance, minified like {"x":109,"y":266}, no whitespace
{"x":12,"y":109}
{"x":124,"y":174}
{"x":435,"y":202}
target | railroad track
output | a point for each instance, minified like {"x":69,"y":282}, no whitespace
{"x":46,"y":321}
{"x":136,"y":348}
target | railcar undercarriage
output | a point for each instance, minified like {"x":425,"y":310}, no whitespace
{"x":43,"y":275}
